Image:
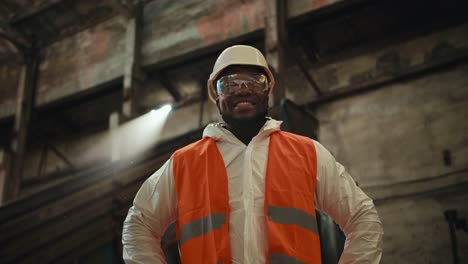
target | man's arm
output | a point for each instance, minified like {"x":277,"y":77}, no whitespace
{"x":338,"y":196}
{"x":153,"y":210}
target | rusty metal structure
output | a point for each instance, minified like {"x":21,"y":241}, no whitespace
{"x":65,"y":66}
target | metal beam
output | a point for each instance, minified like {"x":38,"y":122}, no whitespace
{"x":17,"y":39}
{"x":8,"y":57}
{"x":5,"y":164}
{"x":34,"y":11}
{"x":133,"y":75}
{"x":379,"y":81}
{"x":162,"y":78}
{"x":275,"y":39}
{"x":61,"y":156}
{"x":15,"y":44}
{"x":25,"y":105}
{"x":297,"y":52}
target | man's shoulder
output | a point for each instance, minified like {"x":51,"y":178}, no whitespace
{"x":296,"y":137}
{"x":195,"y":146}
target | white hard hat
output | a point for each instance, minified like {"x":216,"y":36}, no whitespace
{"x":238,"y":55}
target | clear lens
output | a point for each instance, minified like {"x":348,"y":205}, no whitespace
{"x":228,"y":84}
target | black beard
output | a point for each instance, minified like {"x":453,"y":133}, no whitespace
{"x":245,"y":122}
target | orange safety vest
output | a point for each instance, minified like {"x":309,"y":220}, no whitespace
{"x":201,"y":186}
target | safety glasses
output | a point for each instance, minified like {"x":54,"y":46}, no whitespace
{"x":230,"y":83}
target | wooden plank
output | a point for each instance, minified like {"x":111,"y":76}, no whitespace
{"x":85,"y":248}
{"x":52,"y":230}
{"x":50,"y":212}
{"x":69,"y":242}
{"x":27,"y":204}
{"x":53,"y":210}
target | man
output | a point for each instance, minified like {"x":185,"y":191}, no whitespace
{"x":247,"y":192}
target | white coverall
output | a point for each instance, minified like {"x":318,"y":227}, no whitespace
{"x":155,"y":205}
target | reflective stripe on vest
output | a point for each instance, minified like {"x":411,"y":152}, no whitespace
{"x":283,"y":259}
{"x":201,"y":226}
{"x":286,"y":215}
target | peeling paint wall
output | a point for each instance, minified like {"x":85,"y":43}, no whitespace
{"x":85,"y":60}
{"x":420,"y":118}
{"x":398,"y":134}
{"x":170,"y":28}
{"x":416,"y":230}
{"x":302,"y":7}
{"x":196,"y":24}
{"x":393,"y":61}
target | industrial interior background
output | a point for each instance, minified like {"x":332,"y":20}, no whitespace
{"x":382,"y":84}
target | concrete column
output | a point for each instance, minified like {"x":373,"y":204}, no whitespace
{"x":275,"y":40}
{"x":133,"y":75}
{"x":4,"y":171}
{"x":115,"y":137}
{"x":24,"y":107}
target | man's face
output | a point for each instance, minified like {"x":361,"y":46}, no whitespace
{"x":244,"y":104}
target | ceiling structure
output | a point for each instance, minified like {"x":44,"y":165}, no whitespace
{"x":319,"y":37}
{"x":43,"y":22}
{"x":25,"y":23}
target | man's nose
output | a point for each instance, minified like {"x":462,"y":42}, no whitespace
{"x":244,"y":89}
